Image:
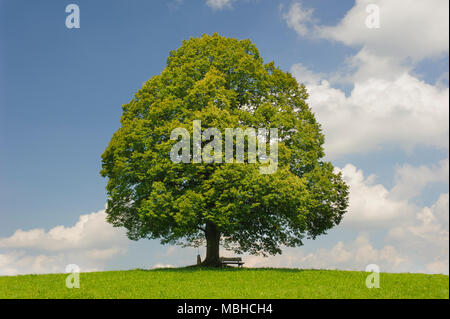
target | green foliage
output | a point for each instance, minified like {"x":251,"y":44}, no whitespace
{"x":224,"y":83}
{"x":227,"y":283}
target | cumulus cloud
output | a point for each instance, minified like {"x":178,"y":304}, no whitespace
{"x":353,"y":255}
{"x":299,"y":18}
{"x":417,"y":237}
{"x":427,"y":236}
{"x":18,"y":262}
{"x":218,"y":4}
{"x":420,"y":233}
{"x":371,"y":205}
{"x":410,"y":180}
{"x":365,"y":65}
{"x":408,"y":29}
{"x":388,"y":106}
{"x":91,"y":230}
{"x":404,"y":112}
{"x":161,"y":265}
{"x":90,"y":243}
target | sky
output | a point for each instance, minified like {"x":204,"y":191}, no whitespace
{"x":380,"y":92}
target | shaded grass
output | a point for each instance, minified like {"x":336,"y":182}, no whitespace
{"x":227,"y":283}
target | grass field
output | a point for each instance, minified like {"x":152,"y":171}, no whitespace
{"x":226,"y":283}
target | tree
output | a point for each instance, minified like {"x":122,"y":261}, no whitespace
{"x":223,"y":83}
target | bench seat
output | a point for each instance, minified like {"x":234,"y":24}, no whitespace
{"x":231,"y":261}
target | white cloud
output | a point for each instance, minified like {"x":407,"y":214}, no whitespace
{"x":417,"y":237}
{"x":20,"y":262}
{"x":426,"y":237}
{"x":299,"y":18}
{"x":218,"y":4}
{"x":354,"y":255}
{"x":410,"y":180}
{"x":371,"y":205}
{"x":365,"y":65}
{"x":404,"y":112}
{"x":90,"y":243}
{"x":161,"y":265}
{"x":305,"y":75}
{"x":437,"y":267}
{"x":17,"y":262}
{"x":421,"y":234}
{"x":91,"y":230}
{"x":104,"y":254}
{"x":387,"y":105}
{"x":408,"y":29}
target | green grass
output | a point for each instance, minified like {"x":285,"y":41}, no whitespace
{"x":226,"y":283}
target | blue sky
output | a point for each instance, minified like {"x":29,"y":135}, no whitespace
{"x":63,"y":89}
{"x":61,"y":92}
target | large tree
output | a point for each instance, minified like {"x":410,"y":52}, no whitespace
{"x":224,"y":83}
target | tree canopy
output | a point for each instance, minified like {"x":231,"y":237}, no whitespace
{"x":224,"y":83}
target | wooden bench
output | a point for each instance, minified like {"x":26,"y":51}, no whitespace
{"x":231,"y":261}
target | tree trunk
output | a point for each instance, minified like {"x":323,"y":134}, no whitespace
{"x":212,"y":246}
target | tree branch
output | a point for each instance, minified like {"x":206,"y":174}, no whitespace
{"x":202,"y":229}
